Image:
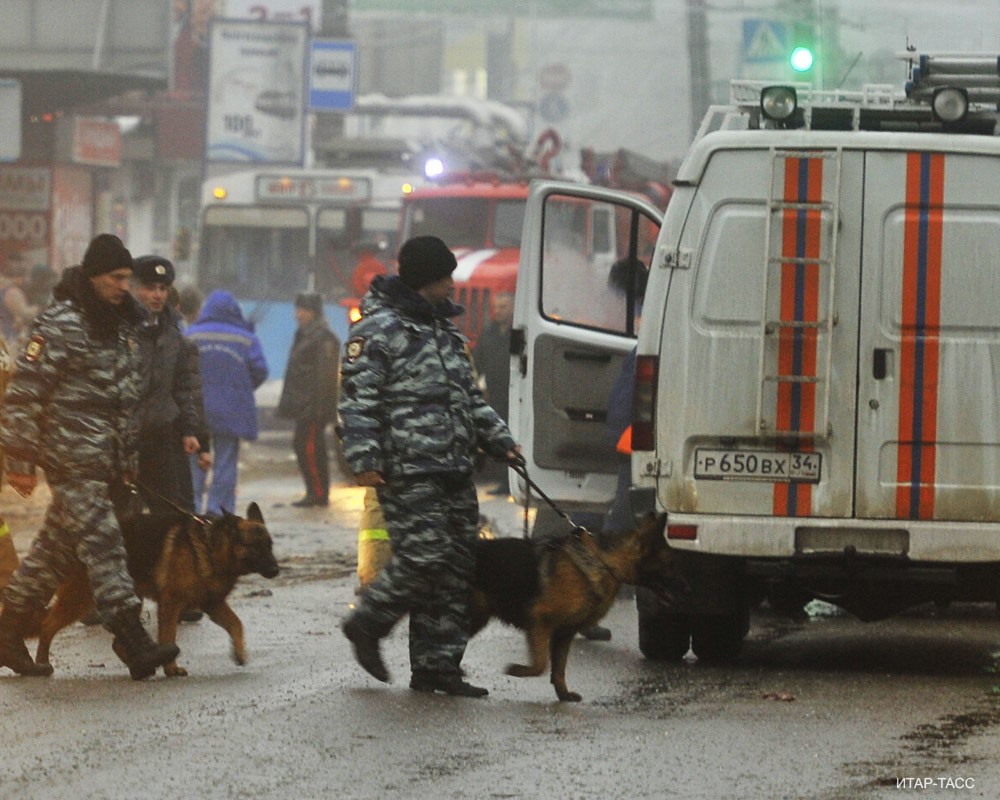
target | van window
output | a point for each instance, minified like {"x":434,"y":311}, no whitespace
{"x":580,"y":284}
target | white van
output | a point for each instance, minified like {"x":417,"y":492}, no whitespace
{"x":818,"y":374}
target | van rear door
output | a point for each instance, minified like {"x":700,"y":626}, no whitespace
{"x":576,"y":313}
{"x":929,"y":373}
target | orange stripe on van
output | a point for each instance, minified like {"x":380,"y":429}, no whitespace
{"x":801,"y":238}
{"x":921,"y":317}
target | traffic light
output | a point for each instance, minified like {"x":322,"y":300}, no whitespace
{"x":803,"y":53}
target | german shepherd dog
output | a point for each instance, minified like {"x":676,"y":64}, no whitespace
{"x":180,"y":562}
{"x":552,"y":590}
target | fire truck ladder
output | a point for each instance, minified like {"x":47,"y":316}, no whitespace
{"x":777,"y":328}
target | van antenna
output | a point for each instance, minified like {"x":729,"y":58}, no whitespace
{"x":854,"y":63}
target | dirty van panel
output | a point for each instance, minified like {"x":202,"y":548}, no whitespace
{"x":769,"y":350}
{"x":929,"y":427}
{"x":584,"y":260}
{"x":571,"y":398}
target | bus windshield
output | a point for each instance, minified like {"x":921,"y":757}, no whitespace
{"x":255,"y":253}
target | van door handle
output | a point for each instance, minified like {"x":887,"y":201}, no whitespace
{"x":880,"y":363}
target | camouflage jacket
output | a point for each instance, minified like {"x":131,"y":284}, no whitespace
{"x":72,"y":405}
{"x":409,"y":402}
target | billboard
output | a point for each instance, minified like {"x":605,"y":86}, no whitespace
{"x":10,"y":120}
{"x":256,"y":91}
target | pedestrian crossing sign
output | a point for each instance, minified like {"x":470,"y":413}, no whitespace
{"x":764,"y":41}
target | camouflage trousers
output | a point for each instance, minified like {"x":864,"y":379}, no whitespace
{"x":80,"y":527}
{"x":433,"y":523}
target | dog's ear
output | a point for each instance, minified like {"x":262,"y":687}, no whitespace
{"x":253,"y":513}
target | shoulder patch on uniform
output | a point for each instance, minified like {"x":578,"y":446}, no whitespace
{"x":34,"y":348}
{"x":355,"y":347}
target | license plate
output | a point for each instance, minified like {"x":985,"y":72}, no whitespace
{"x":757,"y":465}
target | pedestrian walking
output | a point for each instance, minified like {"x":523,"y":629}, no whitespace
{"x":309,"y":396}
{"x":170,"y":414}
{"x":412,"y":418}
{"x":189,"y":300}
{"x":8,"y":555}
{"x":232,"y":366}
{"x":16,"y":312}
{"x":492,"y":359}
{"x":72,"y":409}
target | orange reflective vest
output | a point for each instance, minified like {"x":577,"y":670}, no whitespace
{"x":624,"y":445}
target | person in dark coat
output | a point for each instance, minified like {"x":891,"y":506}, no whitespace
{"x":492,"y":359}
{"x":309,"y":395}
{"x":171,"y":413}
{"x":232,"y":365}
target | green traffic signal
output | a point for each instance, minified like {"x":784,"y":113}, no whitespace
{"x":801,"y":59}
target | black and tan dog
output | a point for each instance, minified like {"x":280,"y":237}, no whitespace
{"x":180,"y":562}
{"x":552,"y":590}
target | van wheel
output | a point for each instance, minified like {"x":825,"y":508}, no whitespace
{"x":663,"y":636}
{"x":719,"y":639}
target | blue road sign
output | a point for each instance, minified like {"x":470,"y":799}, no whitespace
{"x":764,"y":41}
{"x":332,"y":74}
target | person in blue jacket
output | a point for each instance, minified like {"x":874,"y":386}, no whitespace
{"x":232,"y":365}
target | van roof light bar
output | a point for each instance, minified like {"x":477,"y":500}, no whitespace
{"x":977,"y":75}
{"x":954,"y":93}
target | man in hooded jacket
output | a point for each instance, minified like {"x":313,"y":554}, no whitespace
{"x":232,"y":365}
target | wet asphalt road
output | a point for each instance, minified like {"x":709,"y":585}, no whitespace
{"x":822,"y":708}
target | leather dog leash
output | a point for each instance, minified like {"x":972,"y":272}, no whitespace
{"x":520,"y":467}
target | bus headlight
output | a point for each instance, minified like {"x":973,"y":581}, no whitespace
{"x":778,"y":103}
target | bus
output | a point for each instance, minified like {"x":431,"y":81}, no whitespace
{"x":267,"y":234}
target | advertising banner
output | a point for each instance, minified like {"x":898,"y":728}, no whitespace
{"x":256,"y":97}
{"x":10,"y":120}
{"x":25,"y":200}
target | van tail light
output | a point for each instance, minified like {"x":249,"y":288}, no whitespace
{"x":644,"y":402}
{"x":689,"y":532}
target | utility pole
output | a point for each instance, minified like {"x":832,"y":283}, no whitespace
{"x":700,"y":78}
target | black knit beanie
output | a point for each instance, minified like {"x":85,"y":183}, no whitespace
{"x":105,"y":253}
{"x":423,"y":260}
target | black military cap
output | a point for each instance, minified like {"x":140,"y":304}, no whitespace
{"x":153,"y":269}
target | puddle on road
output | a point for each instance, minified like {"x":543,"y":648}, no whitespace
{"x":321,"y":565}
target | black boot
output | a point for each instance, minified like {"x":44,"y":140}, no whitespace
{"x":14,"y":625}
{"x":366,"y":649}
{"x":134,"y":647}
{"x":451,"y":683}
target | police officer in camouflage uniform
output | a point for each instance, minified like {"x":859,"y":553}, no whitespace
{"x":71,"y":409}
{"x":412,"y":420}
